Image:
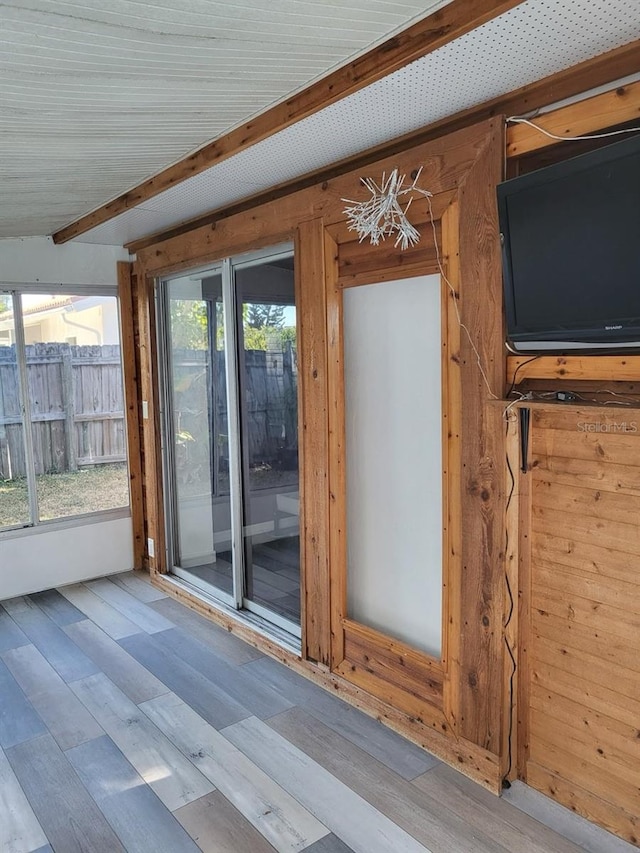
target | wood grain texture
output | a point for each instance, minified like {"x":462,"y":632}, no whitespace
{"x":57,"y":607}
{"x":276,"y":221}
{"x":66,"y":718}
{"x":276,"y":814}
{"x":19,"y":827}
{"x":358,"y":265}
{"x":107,"y":617}
{"x":237,"y":682}
{"x":10,"y":635}
{"x":209,"y":700}
{"x":146,"y":352}
{"x":480,"y":717}
{"x":329,"y":844}
{"x":407,"y":760}
{"x":220,"y":641}
{"x":171,"y":776}
{"x":573,"y":367}
{"x":124,"y":671}
{"x":218,"y":827}
{"x":593,"y":808}
{"x":590,"y":115}
{"x":129,"y":606}
{"x":312,"y":431}
{"x":335,"y":462}
{"x":452,"y":523}
{"x":582,"y":671}
{"x":50,"y":640}
{"x":138,"y":585}
{"x":69,"y":816}
{"x":348,"y":815}
{"x":433,"y":823}
{"x":140,"y":820}
{"x":497,"y":819}
{"x":394,"y":663}
{"x":18,"y":719}
{"x":131,"y":382}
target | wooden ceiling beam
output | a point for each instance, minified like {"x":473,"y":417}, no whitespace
{"x":599,"y":71}
{"x":440,"y":28}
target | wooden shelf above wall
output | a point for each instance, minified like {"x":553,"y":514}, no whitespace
{"x":620,"y":368}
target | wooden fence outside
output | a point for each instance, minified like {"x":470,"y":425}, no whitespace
{"x":77,"y":408}
{"x":269,"y":410}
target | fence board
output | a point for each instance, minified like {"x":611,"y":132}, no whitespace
{"x":77,"y":409}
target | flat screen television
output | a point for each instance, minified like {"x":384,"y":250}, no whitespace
{"x":570,"y":237}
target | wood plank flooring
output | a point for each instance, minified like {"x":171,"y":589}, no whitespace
{"x":130,"y":723}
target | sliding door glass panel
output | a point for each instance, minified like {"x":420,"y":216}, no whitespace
{"x":14,"y":490}
{"x":392,"y":371}
{"x":268,"y":384}
{"x":199,"y":439}
{"x":76,"y":403}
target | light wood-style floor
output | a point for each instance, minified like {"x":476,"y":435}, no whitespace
{"x":130,"y":723}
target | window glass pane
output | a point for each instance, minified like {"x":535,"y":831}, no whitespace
{"x":268,"y":375}
{"x":74,"y":378}
{"x":392,"y":369}
{"x":14,"y":495}
{"x":200,"y":433}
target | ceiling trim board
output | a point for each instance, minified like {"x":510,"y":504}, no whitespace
{"x":433,"y":32}
{"x":599,"y":71}
{"x":618,"y":106}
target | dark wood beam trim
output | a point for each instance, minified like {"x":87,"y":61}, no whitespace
{"x":132,"y":401}
{"x":440,"y":28}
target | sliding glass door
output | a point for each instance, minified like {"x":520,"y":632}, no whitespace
{"x":231,"y":433}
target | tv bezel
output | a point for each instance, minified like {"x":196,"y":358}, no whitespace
{"x":561,"y":339}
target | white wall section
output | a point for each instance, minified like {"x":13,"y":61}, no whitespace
{"x":393,"y":405}
{"x":45,"y":557}
{"x":31,"y":260}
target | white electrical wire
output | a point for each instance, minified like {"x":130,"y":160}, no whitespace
{"x":522,"y":120}
{"x":455,"y":303}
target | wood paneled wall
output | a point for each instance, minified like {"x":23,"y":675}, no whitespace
{"x":466,"y":688}
{"x":580,"y":679}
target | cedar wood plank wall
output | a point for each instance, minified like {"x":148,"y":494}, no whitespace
{"x":478,"y":678}
{"x":580,"y":683}
{"x":462,"y":170}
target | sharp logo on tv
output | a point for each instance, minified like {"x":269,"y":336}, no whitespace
{"x":612,"y":328}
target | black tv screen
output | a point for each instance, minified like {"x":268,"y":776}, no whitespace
{"x":571,"y":252}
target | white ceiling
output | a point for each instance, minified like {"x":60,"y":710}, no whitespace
{"x":138,"y":86}
{"x":98,"y":95}
{"x":528,"y":43}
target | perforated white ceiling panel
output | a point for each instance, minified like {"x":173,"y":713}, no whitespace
{"x":98,"y":95}
{"x":533,"y":40}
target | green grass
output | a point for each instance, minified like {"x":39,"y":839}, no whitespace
{"x":100,"y":487}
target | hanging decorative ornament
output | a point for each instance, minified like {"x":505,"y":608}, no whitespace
{"x":383,"y":215}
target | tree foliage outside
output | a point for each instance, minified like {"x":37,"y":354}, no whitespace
{"x":263,"y":326}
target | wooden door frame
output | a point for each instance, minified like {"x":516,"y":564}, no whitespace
{"x":371,"y":659}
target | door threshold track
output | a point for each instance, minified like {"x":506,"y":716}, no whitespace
{"x":243,"y":617}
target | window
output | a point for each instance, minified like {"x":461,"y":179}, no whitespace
{"x":63,"y":450}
